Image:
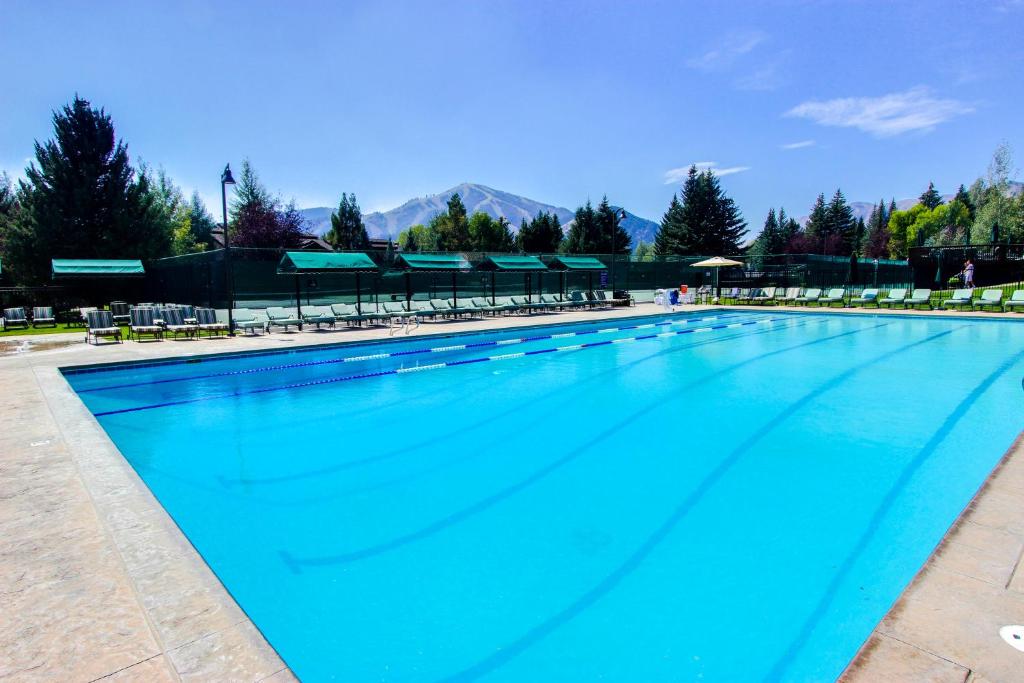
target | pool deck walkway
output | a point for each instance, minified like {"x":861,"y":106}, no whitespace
{"x":98,"y":583}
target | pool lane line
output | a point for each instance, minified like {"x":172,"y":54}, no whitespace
{"x":295,"y":563}
{"x":399,"y":354}
{"x":511,"y":650}
{"x":489,"y":420}
{"x":888,"y":501}
{"x":379,"y":373}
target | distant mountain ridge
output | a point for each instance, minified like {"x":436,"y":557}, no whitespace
{"x":476,"y":197}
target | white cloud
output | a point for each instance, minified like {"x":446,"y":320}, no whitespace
{"x":798,"y":145}
{"x":893,"y":114}
{"x":674,"y":176}
{"x":732,"y":47}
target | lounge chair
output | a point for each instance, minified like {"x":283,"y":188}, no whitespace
{"x":101,"y":324}
{"x":810,"y":296}
{"x":206,"y":321}
{"x":120,"y":311}
{"x":732,"y":295}
{"x":347,"y":313}
{"x":896,"y":296}
{"x":960,"y":298}
{"x":1015,"y":302}
{"x":506,"y":304}
{"x":836,"y":295}
{"x":462,"y":307}
{"x":609,"y":296}
{"x":43,"y":315}
{"x":15,"y":316}
{"x":188,"y":313}
{"x":789,"y":296}
{"x":442,"y":308}
{"x":245,"y":319}
{"x":553,"y":302}
{"x":990,"y":298}
{"x":423,"y":310}
{"x":142,"y":321}
{"x":525,"y":304}
{"x":279,"y":316}
{"x":578,"y":299}
{"x":485,"y":306}
{"x":866,"y":298}
{"x":764,"y":296}
{"x":745,"y":295}
{"x":919,"y":297}
{"x":397,"y":311}
{"x":174,"y":321}
{"x":318,"y":315}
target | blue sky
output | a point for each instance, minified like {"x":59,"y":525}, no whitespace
{"x":558,"y":101}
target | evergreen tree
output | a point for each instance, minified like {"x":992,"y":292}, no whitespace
{"x":389,"y":254}
{"x":644,"y":252}
{"x":82,"y":199}
{"x":891,"y":211}
{"x":671,"y":233}
{"x":964,"y":197}
{"x":817,"y":227}
{"x":409,"y":244}
{"x":706,"y":221}
{"x":452,"y":226}
{"x":347,"y":231}
{"x":584,"y":232}
{"x":609,"y":223}
{"x":8,"y":207}
{"x":542,"y":235}
{"x":930,"y":197}
{"x":789,"y":229}
{"x":201,"y":223}
{"x":877,"y":239}
{"x":841,"y":226}
{"x":768,"y":241}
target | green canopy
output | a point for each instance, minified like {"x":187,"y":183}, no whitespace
{"x":513,"y":263}
{"x":96,"y":268}
{"x":435,"y":262}
{"x":308,"y":262}
{"x":578,"y":263}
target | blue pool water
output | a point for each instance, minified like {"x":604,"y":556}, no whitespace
{"x":723,"y":496}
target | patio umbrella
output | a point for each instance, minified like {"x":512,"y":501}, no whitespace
{"x":716,"y":263}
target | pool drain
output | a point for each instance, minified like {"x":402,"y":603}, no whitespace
{"x":1014,"y":636}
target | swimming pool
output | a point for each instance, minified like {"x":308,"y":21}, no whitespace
{"x":727,"y":495}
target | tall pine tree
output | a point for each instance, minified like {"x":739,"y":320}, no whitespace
{"x":930,"y":198}
{"x":611,"y":236}
{"x":584,"y":233}
{"x":452,"y":226}
{"x":705,"y":222}
{"x":347,"y":231}
{"x":542,"y":235}
{"x":82,"y":199}
{"x":877,"y":239}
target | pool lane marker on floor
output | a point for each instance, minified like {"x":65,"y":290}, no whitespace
{"x":400,"y":371}
{"x":396,"y":354}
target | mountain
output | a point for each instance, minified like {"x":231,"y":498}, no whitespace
{"x":476,"y":198}
{"x":421,"y":209}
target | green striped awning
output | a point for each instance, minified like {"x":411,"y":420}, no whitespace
{"x":294,"y":262}
{"x":96,"y":268}
{"x":513,"y":263}
{"x":578,"y":263}
{"x":434,"y":262}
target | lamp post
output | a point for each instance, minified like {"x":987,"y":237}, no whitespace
{"x":620,"y":216}
{"x":227,"y":179}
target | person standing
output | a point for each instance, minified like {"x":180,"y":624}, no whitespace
{"x":969,"y":274}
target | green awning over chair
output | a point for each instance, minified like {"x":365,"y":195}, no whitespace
{"x":578,"y":263}
{"x":296,"y":262}
{"x":512,"y":263}
{"x":434,"y":262}
{"x":96,"y":268}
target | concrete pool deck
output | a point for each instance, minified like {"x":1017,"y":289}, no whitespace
{"x":98,"y":582}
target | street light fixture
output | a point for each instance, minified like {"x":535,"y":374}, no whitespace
{"x":227,"y":179}
{"x":620,"y":215}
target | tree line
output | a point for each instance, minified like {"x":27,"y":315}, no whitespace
{"x":986,"y":213}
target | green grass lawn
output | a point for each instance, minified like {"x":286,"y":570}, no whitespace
{"x":60,"y":329}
